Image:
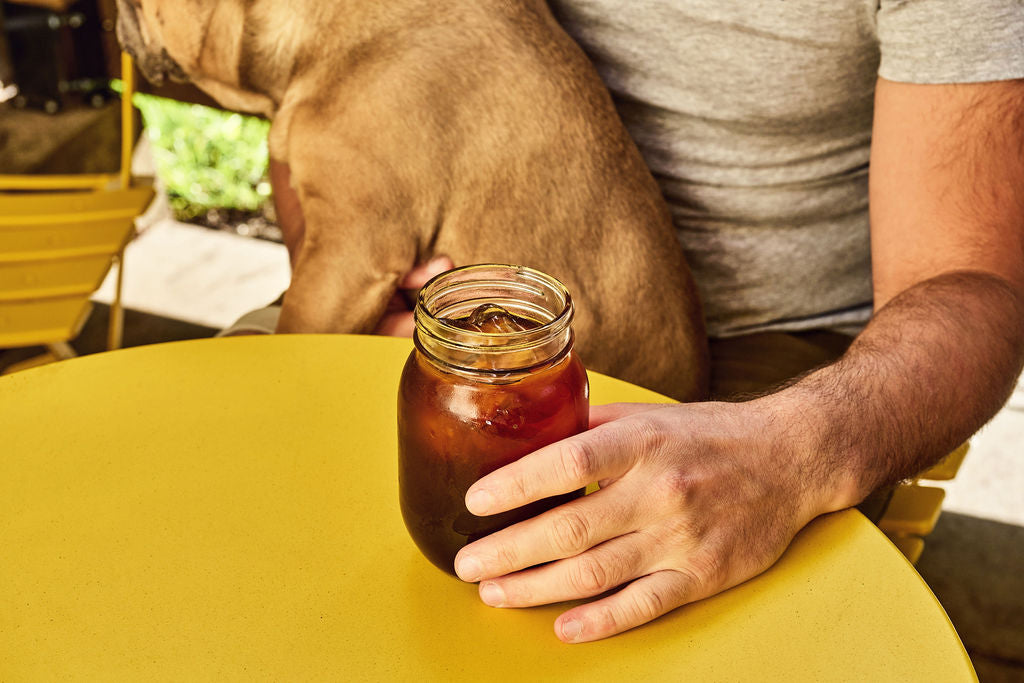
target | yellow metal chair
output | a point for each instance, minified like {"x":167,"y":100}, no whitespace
{"x":914,"y":509}
{"x":59,"y":236}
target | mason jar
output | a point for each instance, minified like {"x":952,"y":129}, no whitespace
{"x":493,"y":377}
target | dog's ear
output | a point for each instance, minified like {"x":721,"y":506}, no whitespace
{"x":177,"y":28}
{"x":197,"y":40}
{"x":129,"y":33}
{"x":143,"y":44}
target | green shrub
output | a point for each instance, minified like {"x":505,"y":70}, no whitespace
{"x":207,"y":158}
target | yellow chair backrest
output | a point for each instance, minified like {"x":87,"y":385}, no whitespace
{"x":55,"y":250}
{"x":59,"y":236}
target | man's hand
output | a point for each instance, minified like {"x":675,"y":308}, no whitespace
{"x":692,"y":502}
{"x":397,"y":320}
{"x":697,"y":498}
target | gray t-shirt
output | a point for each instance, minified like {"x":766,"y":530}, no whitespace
{"x":755,"y":117}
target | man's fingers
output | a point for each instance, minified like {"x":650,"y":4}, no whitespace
{"x":398,"y":320}
{"x":600,"y":569}
{"x":642,"y":601}
{"x":562,"y":467}
{"x":419,"y":275}
{"x":565,"y":531}
{"x":396,"y":325}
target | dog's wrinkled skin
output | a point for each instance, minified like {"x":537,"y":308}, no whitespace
{"x":154,"y":63}
{"x":474,"y":128}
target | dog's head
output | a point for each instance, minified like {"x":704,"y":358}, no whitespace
{"x":139,"y":29}
{"x":238,"y":51}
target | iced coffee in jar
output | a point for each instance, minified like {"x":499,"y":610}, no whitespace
{"x":493,"y":377}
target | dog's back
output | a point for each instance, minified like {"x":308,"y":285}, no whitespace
{"x":473,"y":128}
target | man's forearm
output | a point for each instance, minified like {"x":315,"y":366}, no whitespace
{"x":932,"y":367}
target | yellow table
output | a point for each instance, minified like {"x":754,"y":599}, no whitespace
{"x":228,"y":509}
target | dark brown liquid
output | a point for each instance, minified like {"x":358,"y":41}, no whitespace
{"x":453,"y":430}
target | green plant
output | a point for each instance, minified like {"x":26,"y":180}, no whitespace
{"x":206,"y":157}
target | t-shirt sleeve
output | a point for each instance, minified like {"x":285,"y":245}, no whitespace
{"x":951,"y":41}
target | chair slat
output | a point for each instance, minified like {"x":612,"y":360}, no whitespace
{"x":63,"y":240}
{"x":90,"y":181}
{"x":42,"y":321}
{"x":34,"y":204}
{"x":913,"y":511}
{"x":910,"y":546}
{"x":53,"y":278}
{"x":947,"y":468}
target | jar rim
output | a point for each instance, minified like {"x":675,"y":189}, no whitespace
{"x":444,"y":337}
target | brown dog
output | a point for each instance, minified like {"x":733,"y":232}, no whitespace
{"x":472,"y":128}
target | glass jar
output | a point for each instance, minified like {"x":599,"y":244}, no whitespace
{"x":483,"y":387}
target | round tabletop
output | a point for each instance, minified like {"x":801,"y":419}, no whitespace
{"x":228,"y":508}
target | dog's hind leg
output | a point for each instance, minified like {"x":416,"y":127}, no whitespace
{"x":347,"y":269}
{"x":334,"y":292}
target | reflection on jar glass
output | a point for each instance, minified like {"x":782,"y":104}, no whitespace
{"x":493,"y":377}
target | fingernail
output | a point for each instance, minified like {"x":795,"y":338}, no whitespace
{"x":492,"y":594}
{"x":468,"y":568}
{"x":479,"y":502}
{"x":571,"y":629}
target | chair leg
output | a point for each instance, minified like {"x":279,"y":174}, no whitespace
{"x":61,"y":350}
{"x":115,"y":330}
